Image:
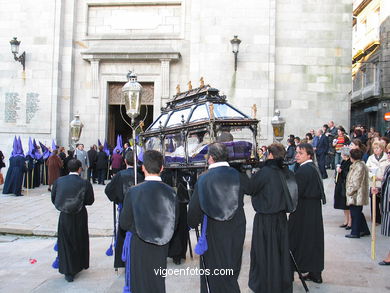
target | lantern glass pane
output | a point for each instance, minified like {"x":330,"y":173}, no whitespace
{"x":176,"y":118}
{"x":75,"y":132}
{"x":278,"y":130}
{"x":200,"y":113}
{"x":14,"y":48}
{"x":224,"y":111}
{"x":163,"y":119}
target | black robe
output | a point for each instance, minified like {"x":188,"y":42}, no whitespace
{"x":32,"y":176}
{"x":270,"y":267}
{"x":115,"y":191}
{"x":70,"y":194}
{"x":14,"y":178}
{"x":28,"y":173}
{"x":44,"y":172}
{"x":305,"y":225}
{"x":151,"y":234}
{"x":225,"y":238}
{"x":340,"y":199}
{"x":178,"y":244}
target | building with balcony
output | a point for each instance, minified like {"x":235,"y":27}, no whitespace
{"x":370,"y":98}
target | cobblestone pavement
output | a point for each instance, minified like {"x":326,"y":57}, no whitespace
{"x":348,"y":266}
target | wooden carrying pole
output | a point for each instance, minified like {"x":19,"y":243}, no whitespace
{"x":373,"y":224}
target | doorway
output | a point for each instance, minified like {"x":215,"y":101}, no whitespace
{"x":118,"y":121}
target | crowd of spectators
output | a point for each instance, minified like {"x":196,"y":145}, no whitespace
{"x":361,"y":160}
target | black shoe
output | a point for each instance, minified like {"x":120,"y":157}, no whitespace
{"x":69,"y":278}
{"x":310,"y":277}
{"x":176,"y":260}
{"x":352,"y":236}
{"x":343,"y":226}
{"x":384,"y":263}
{"x":348,"y":228}
{"x":362,"y":234}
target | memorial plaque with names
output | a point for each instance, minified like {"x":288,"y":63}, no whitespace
{"x":12,"y":105}
{"x":31,"y":106}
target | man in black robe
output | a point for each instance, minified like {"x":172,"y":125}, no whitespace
{"x":70,"y":194}
{"x":218,"y":198}
{"x":306,"y":230}
{"x":115,"y":191}
{"x":270,"y":268}
{"x":149,"y":217}
{"x":28,"y":176}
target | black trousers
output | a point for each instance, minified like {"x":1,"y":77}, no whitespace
{"x":91,"y":173}
{"x":359,"y":223}
{"x":321,"y":165}
{"x":102,"y":173}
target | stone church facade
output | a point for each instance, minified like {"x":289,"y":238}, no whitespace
{"x":294,"y":56}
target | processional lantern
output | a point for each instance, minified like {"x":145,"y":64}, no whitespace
{"x":278,"y":124}
{"x":131,"y":95}
{"x":76,"y":126}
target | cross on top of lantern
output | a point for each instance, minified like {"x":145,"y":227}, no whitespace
{"x":131,"y":95}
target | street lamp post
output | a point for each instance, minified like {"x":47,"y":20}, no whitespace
{"x":278,"y":124}
{"x":132,"y":99}
{"x":76,"y":126}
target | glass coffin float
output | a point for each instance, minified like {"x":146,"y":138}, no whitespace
{"x":193,"y":120}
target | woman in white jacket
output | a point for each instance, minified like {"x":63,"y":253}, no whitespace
{"x":376,"y":165}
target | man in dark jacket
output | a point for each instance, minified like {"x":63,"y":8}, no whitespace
{"x":70,"y":194}
{"x":218,"y":200}
{"x":102,"y":165}
{"x":321,"y":152}
{"x":305,"y":225}
{"x":149,"y":216}
{"x":115,"y":191}
{"x":92,"y":157}
{"x":331,"y":134}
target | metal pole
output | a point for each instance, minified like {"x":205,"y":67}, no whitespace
{"x":373,"y":221}
{"x":134,"y":154}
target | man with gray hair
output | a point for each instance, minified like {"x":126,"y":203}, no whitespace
{"x":82,"y":156}
{"x":321,"y":152}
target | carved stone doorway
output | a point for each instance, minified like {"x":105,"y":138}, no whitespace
{"x":118,"y":121}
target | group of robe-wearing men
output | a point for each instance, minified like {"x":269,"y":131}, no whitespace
{"x":149,"y":213}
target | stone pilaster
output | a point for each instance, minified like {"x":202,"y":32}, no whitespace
{"x":165,"y":67}
{"x":95,"y":78}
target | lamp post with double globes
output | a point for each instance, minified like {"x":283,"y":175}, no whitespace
{"x":76,"y":126}
{"x":131,"y":94}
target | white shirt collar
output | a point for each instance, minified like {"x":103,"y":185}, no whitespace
{"x":74,"y":173}
{"x":153,"y":178}
{"x":219,"y":164}
{"x":305,"y":162}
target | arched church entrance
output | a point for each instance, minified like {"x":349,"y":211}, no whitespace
{"x":118,"y":121}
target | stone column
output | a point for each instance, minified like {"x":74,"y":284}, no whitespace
{"x":95,"y":78}
{"x":165,"y":79}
